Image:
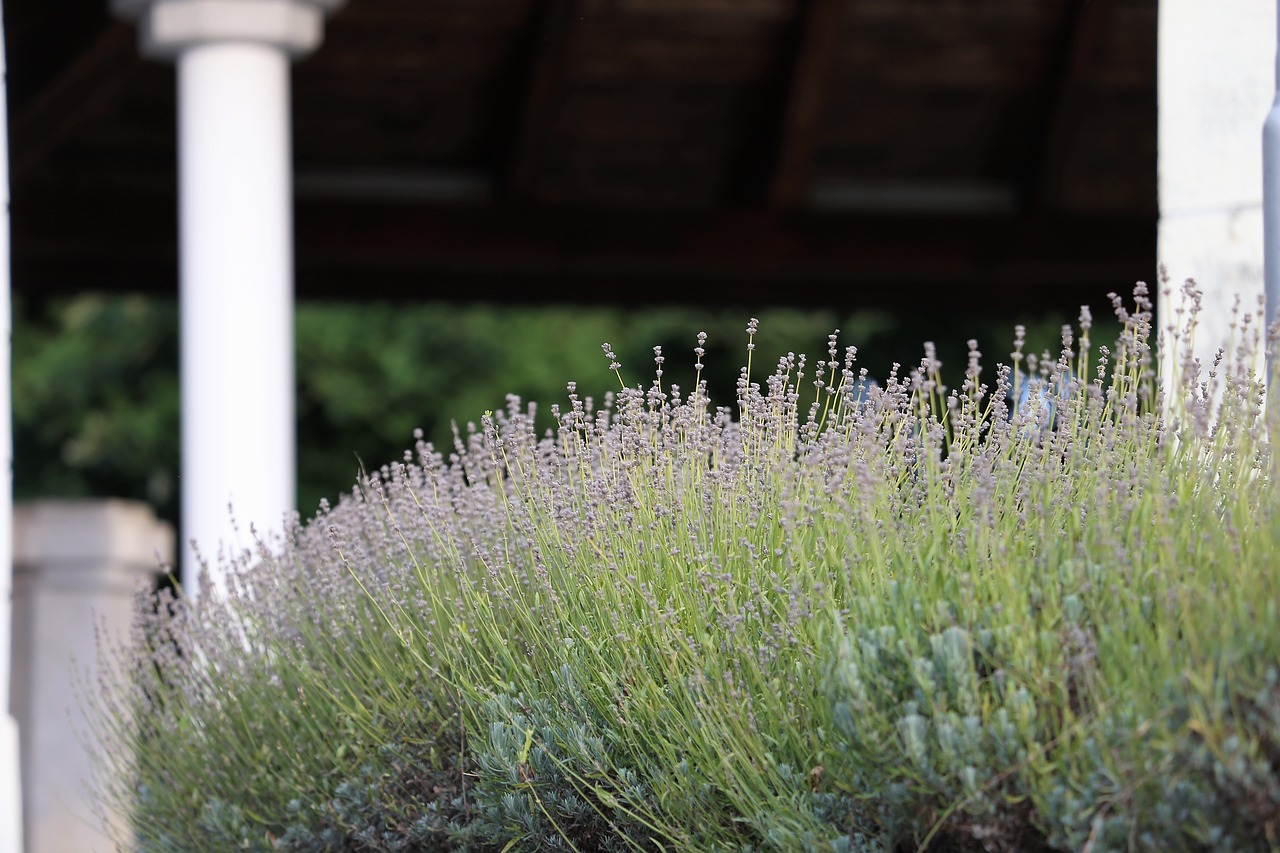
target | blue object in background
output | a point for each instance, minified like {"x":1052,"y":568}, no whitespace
{"x":1033,"y":393}
{"x":862,"y":389}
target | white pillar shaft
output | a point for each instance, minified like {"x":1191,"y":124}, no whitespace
{"x":10,"y":784}
{"x":1215,"y":86}
{"x":236,"y":296}
{"x":1271,"y":197}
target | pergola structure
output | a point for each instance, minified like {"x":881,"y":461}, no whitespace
{"x":899,"y":153}
{"x":849,"y":152}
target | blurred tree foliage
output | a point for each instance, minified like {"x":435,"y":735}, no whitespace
{"x":96,"y":398}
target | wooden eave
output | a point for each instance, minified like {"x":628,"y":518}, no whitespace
{"x":888,"y":152}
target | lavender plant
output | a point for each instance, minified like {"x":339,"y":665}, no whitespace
{"x":836,"y":615}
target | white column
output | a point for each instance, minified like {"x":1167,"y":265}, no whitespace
{"x":76,"y":566}
{"x":236,"y":296}
{"x":236,"y":241}
{"x":1271,"y":207}
{"x":10,"y":784}
{"x":1216,"y":80}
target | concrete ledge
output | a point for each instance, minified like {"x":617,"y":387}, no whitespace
{"x":62,"y":532}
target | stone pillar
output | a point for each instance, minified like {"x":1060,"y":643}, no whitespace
{"x":76,"y":564}
{"x":10,"y":790}
{"x":236,"y":248}
{"x":1216,"y":78}
{"x":1271,"y":211}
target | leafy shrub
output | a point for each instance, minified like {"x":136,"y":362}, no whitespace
{"x":857,"y":618}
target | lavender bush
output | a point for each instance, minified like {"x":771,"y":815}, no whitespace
{"x":834,"y":616}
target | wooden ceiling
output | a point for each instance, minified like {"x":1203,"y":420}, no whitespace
{"x":895,"y":153}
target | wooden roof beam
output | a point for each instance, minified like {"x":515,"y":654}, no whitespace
{"x":1066,"y":104}
{"x":415,"y":251}
{"x":94,"y":78}
{"x":544,"y":81}
{"x":817,"y":52}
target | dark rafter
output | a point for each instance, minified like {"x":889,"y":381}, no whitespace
{"x":1066,"y":104}
{"x":407,"y":250}
{"x":544,"y":82}
{"x":817,"y":51}
{"x":99,"y":74}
